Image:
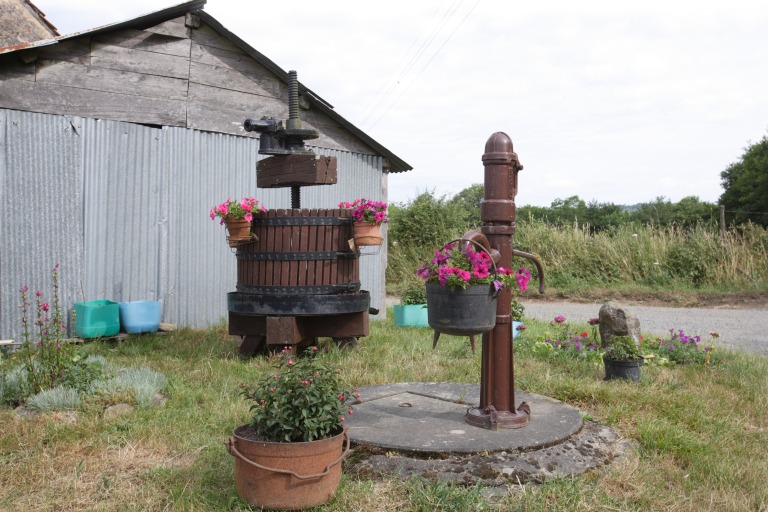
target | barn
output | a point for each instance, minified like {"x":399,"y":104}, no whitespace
{"x":115,"y":143}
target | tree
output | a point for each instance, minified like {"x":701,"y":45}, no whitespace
{"x":469,"y":200}
{"x":745,"y":185}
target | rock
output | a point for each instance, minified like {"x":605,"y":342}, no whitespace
{"x":616,"y":320}
{"x":68,"y":417}
{"x":117,"y":410}
{"x":23,"y":412}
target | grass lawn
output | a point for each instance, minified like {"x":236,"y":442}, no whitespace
{"x":702,"y":431}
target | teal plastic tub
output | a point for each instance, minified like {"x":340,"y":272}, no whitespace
{"x":96,"y":318}
{"x":411,"y":315}
{"x":140,"y":316}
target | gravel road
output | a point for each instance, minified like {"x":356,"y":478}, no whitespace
{"x":739,"y":329}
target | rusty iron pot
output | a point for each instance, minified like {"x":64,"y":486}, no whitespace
{"x":461,"y":312}
{"x":287,"y":476}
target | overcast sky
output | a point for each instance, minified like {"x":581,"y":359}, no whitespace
{"x":613,"y":101}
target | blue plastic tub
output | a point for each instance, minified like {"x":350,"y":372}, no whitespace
{"x":96,"y":318}
{"x":140,"y":316}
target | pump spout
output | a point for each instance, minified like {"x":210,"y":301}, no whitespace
{"x":536,"y":262}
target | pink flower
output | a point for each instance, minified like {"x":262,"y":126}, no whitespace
{"x":464,"y":275}
{"x":559,"y":319}
{"x":223,"y":208}
{"x":39,"y":293}
{"x":480,"y":272}
{"x":290,"y":362}
{"x":249,"y":216}
{"x":342,"y":418}
{"x":45,"y":307}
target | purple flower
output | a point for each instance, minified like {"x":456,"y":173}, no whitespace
{"x":559,"y":319}
{"x":593,"y":321}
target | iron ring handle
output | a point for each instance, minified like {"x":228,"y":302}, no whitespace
{"x":230,"y":444}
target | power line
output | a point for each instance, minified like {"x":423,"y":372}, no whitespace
{"x":425,"y":66}
{"x":424,"y":45}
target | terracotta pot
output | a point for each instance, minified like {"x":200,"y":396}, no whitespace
{"x":239,"y":231}
{"x":287,"y":476}
{"x":368,"y":233}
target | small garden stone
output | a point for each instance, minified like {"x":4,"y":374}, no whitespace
{"x":617,"y":320}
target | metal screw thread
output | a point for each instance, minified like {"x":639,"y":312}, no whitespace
{"x":293,"y":95}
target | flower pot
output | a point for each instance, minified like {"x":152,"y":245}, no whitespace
{"x":140,"y":316}
{"x":287,"y":476}
{"x":515,"y":332}
{"x":239,"y":231}
{"x":628,"y":370}
{"x":367,"y":233}
{"x":96,"y":318}
{"x":411,"y":315}
{"x":461,"y":312}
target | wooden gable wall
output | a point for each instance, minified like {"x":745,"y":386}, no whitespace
{"x":178,"y":73}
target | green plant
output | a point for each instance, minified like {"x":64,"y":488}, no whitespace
{"x":59,"y":398}
{"x":622,"y":348}
{"x":677,"y":348}
{"x":414,"y":295}
{"x":517,"y":310}
{"x":48,"y":358}
{"x":302,"y":400}
{"x":242,"y":209}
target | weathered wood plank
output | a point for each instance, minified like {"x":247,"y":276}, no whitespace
{"x":73,"y":50}
{"x":110,"y":80}
{"x":147,"y":41}
{"x":59,"y":99}
{"x":227,"y":78}
{"x":205,"y":35}
{"x":219,"y":110}
{"x":12,"y":68}
{"x":228,"y":59}
{"x":174,"y":28}
{"x":138,"y":61}
{"x":332,"y":136}
{"x":296,"y":170}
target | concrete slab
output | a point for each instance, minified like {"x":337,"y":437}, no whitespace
{"x":428,"y":417}
{"x":418,"y":429}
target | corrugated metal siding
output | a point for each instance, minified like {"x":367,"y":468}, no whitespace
{"x":41,"y":198}
{"x":125,"y":209}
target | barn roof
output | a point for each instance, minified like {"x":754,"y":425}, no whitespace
{"x":396,"y":164}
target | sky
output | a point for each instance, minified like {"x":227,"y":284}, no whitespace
{"x":613,"y":101}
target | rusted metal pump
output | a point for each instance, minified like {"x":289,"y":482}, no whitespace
{"x":497,"y":407}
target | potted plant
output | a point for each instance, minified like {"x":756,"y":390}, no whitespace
{"x":517,"y":311}
{"x":289,"y":456}
{"x":622,"y":358}
{"x":412,"y":310}
{"x":237,"y":216}
{"x":368,"y":216}
{"x":463,"y":285}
